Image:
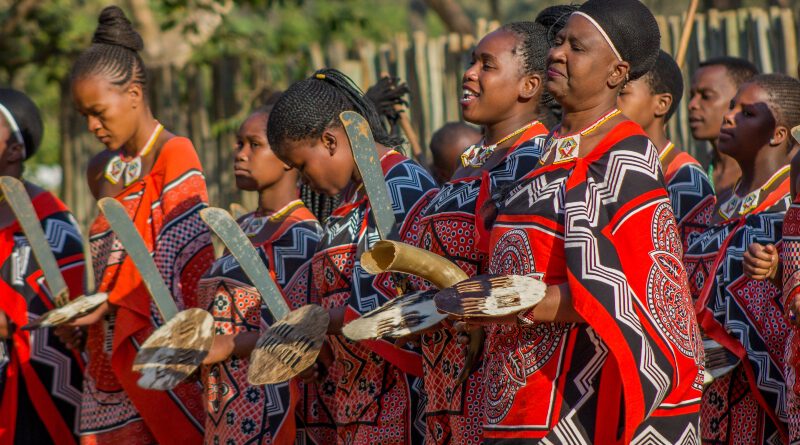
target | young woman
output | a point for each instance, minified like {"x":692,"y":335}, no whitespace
{"x":158,"y":178}
{"x":650,"y":101}
{"x":369,"y":393}
{"x":737,"y":308}
{"x":286,"y":235}
{"x":610,"y":355}
{"x":502,"y":92}
{"x":40,"y":378}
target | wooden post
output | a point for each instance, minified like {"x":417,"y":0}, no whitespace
{"x":731,"y":22}
{"x":454,"y":69}
{"x":688,"y":25}
{"x":761,"y":43}
{"x":789,"y":40}
{"x":317,"y":59}
{"x":420,"y":72}
{"x":435,"y":69}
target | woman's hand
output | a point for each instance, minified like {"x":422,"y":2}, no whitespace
{"x":319,"y":369}
{"x":221,"y":349}
{"x":73,"y":337}
{"x":761,"y":262}
{"x":5,"y":326}
{"x":92,"y":317}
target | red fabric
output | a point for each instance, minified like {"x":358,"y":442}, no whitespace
{"x":236,"y":411}
{"x":20,"y":370}
{"x":168,"y":198}
{"x":715,"y":330}
{"x":602,"y":224}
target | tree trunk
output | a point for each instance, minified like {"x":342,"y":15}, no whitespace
{"x":453,"y":15}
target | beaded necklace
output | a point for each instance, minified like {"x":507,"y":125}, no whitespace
{"x":477,"y":154}
{"x":129,"y":170}
{"x":666,"y":151}
{"x":747,"y":203}
{"x":568,"y":146}
{"x":254,"y":223}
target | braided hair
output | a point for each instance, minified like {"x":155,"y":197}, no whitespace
{"x":114,"y":52}
{"x":784,"y":97}
{"x":666,"y":77}
{"x":308,"y":107}
{"x":532,"y":46}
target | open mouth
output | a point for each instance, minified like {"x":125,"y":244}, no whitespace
{"x":468,"y":96}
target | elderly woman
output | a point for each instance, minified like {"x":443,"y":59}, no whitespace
{"x":611,"y":354}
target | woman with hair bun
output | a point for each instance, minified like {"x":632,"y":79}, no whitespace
{"x":611,"y":353}
{"x":157,"y":177}
{"x":40,"y":377}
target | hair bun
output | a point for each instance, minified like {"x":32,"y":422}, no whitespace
{"x":113,"y":28}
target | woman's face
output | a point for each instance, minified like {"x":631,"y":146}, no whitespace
{"x":748,"y":125}
{"x":494,"y":81}
{"x":107,"y":108}
{"x":325,"y":163}
{"x":581,"y":64}
{"x":638,"y":103}
{"x":255,"y":165}
{"x":11,"y":151}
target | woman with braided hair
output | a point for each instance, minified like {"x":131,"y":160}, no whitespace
{"x":370,"y":391}
{"x":740,"y":305}
{"x":610,"y":354}
{"x":157,"y":177}
{"x":502,"y":92}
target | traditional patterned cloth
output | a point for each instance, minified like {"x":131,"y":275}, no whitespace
{"x":604,"y":226}
{"x":40,"y":378}
{"x":790,"y":260}
{"x":371,"y":390}
{"x":236,"y":412}
{"x":164,"y":206}
{"x":451,"y":227}
{"x":691,"y":195}
{"x":746,"y":317}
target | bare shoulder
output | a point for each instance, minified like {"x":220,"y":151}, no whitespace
{"x":95,"y":169}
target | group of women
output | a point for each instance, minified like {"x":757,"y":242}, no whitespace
{"x":645,"y":265}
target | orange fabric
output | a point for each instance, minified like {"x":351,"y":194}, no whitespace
{"x":172,"y":193}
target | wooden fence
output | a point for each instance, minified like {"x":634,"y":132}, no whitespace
{"x":433,"y":66}
{"x":207,"y":102}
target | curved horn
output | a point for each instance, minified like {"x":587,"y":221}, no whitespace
{"x":392,"y":256}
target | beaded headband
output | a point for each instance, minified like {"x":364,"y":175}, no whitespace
{"x":602,"y":31}
{"x":12,"y":123}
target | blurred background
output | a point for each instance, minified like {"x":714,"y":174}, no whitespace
{"x":211,"y":61}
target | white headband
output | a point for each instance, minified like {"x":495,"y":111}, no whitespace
{"x":14,"y":128}
{"x":602,"y":31}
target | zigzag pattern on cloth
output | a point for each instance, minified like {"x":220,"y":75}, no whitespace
{"x":584,"y":216}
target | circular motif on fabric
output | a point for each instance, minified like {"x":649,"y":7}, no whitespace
{"x":667,"y":289}
{"x":512,"y":254}
{"x":515,"y":354}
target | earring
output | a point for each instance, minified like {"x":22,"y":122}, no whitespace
{"x":772,"y":141}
